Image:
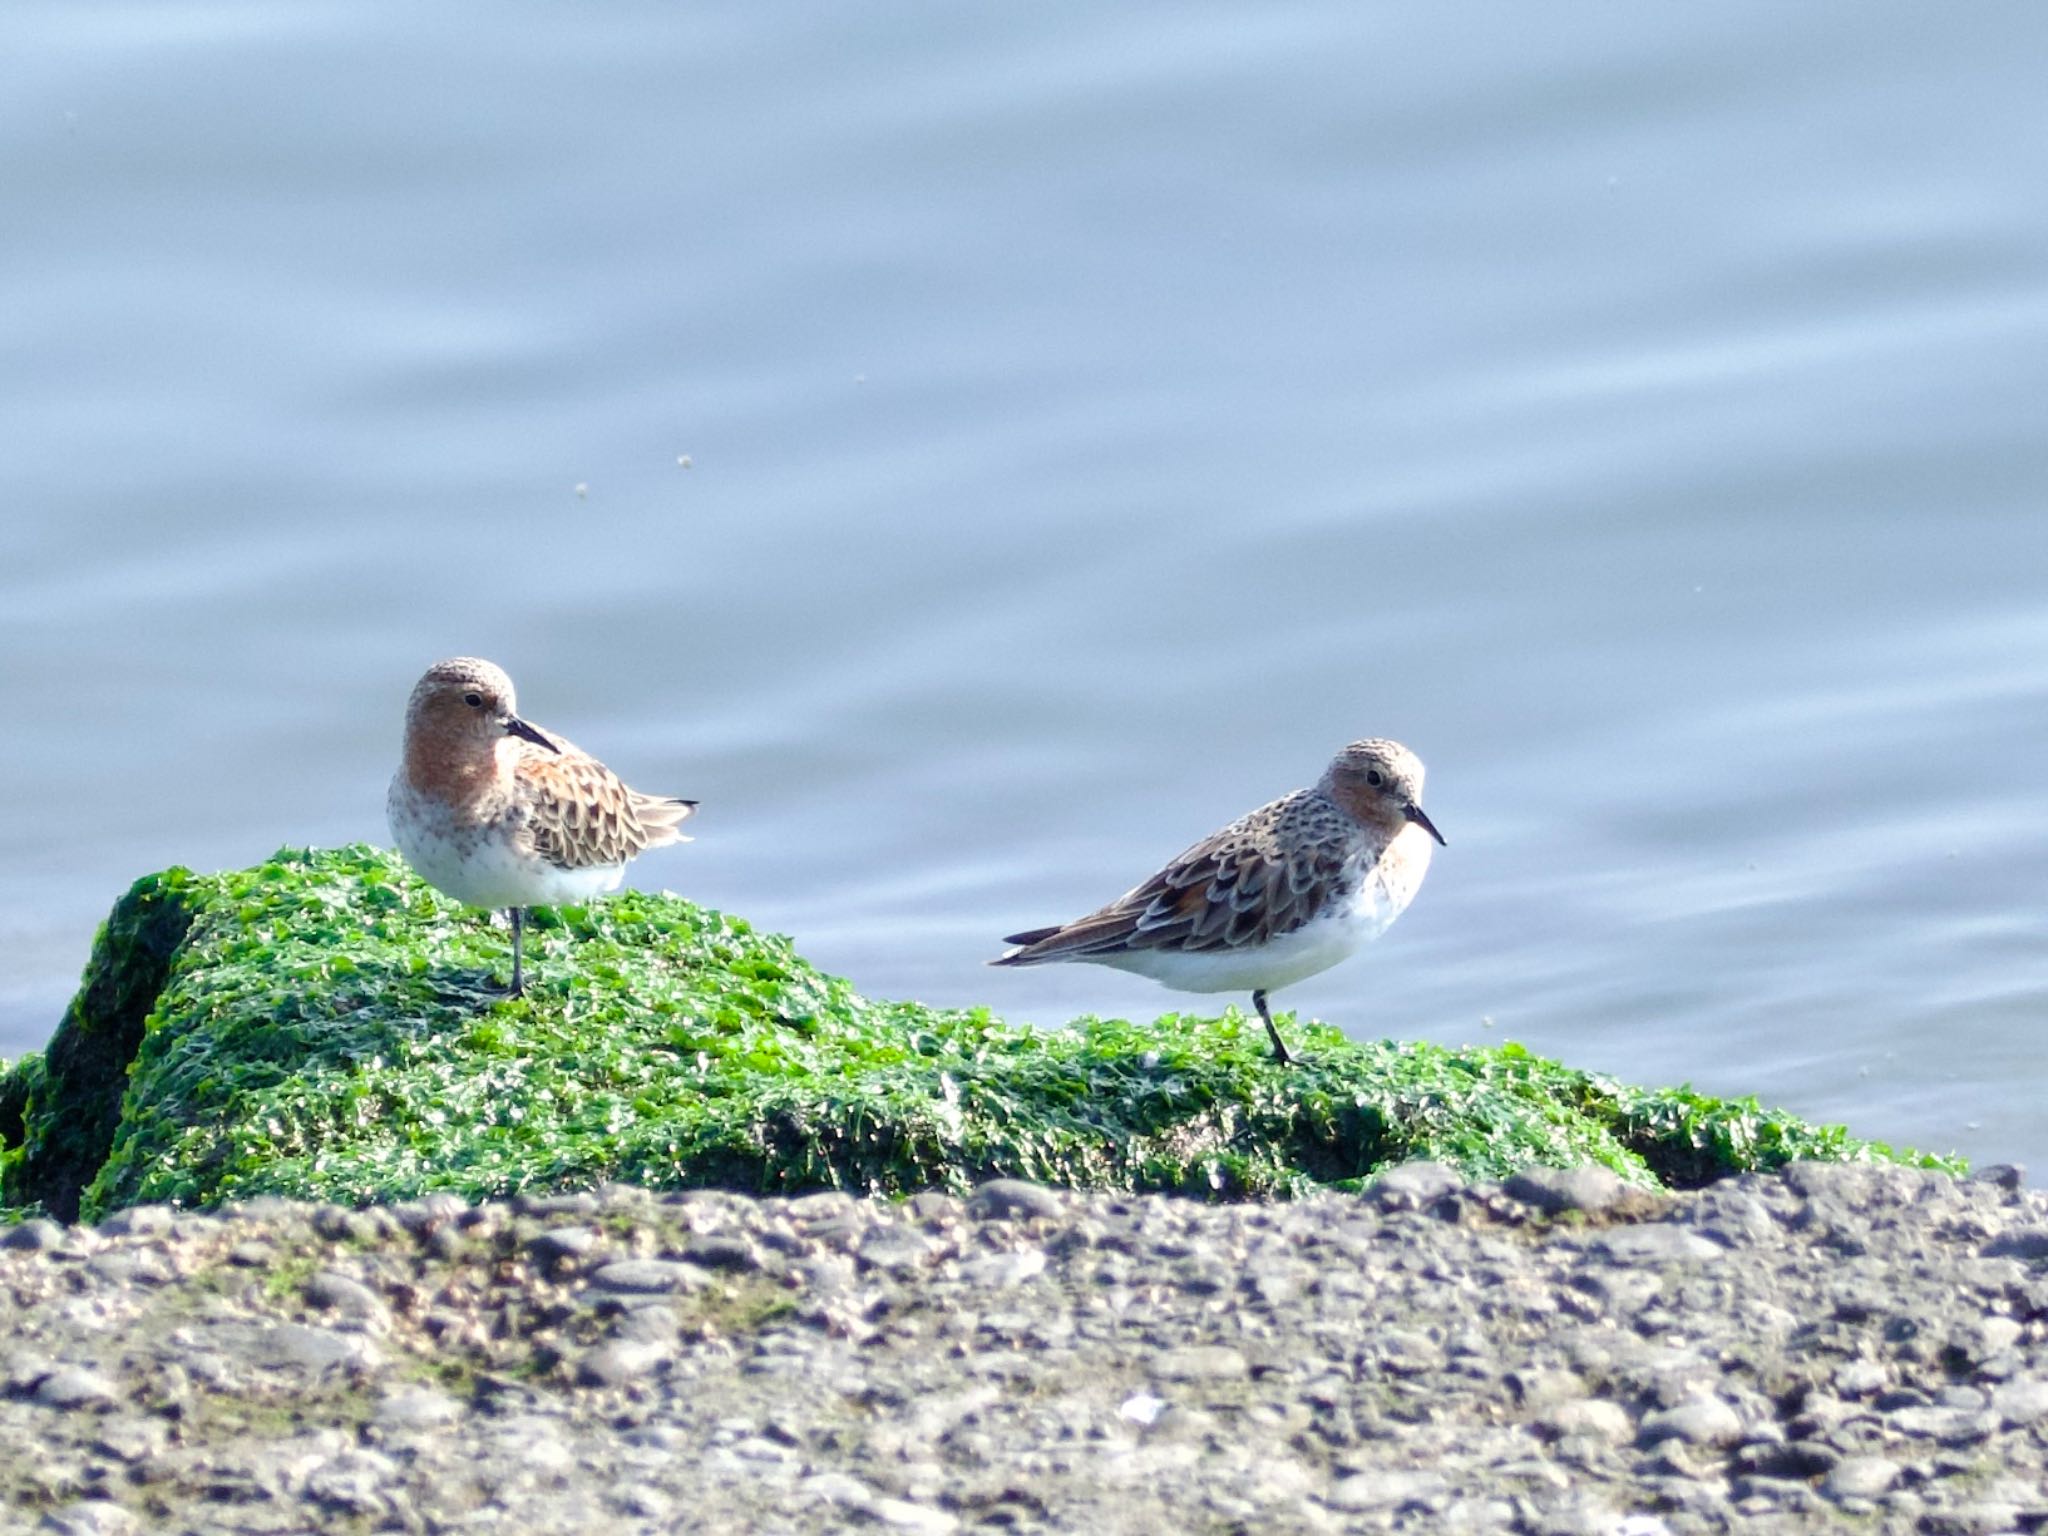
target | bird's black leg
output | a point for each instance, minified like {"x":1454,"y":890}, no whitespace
{"x":1279,"y":1045}
{"x":518,"y":943}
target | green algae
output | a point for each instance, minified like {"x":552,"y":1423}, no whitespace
{"x":326,"y":1026}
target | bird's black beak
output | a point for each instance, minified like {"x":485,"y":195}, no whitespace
{"x":514,"y":726}
{"x":1415,"y":814}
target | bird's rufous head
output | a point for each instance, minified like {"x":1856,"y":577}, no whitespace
{"x":462,"y":708}
{"x":1380,"y":783}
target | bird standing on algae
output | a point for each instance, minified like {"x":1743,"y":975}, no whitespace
{"x":1273,"y":898}
{"x":496,"y":812}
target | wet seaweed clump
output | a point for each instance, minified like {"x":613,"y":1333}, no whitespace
{"x":326,"y":1026}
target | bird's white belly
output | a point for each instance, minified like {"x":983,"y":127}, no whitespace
{"x":480,"y":866}
{"x":1307,"y":951}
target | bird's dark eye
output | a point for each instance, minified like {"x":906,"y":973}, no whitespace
{"x":473,"y":700}
{"x":1375,"y":778}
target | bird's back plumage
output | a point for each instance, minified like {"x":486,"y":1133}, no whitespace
{"x":1260,"y":878}
{"x":580,"y":814}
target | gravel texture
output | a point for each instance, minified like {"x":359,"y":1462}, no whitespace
{"x":1839,"y":1347}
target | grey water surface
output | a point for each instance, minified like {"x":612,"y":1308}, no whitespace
{"x":978,"y":450}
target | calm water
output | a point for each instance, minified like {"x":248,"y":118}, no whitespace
{"x":1094,"y":416}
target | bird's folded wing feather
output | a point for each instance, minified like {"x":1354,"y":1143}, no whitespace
{"x":581,"y":814}
{"x":1241,"y":886}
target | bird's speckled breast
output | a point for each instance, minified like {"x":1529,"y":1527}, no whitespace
{"x":1393,"y":880}
{"x":484,"y":859}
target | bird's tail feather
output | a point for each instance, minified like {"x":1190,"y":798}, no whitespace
{"x":662,"y":815}
{"x":1024,"y":941}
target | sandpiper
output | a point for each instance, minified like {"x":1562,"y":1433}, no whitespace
{"x":1274,"y":897}
{"x":496,"y":812}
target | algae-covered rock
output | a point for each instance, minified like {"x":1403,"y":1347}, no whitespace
{"x":327,"y":1026}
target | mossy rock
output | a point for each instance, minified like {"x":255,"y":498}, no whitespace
{"x":326,"y":1026}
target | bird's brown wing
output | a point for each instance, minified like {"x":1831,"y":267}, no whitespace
{"x":581,"y":814}
{"x":1254,"y":880}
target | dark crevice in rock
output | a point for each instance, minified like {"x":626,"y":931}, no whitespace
{"x":14,"y":1088}
{"x":69,"y":1119}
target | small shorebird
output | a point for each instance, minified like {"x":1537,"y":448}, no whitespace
{"x":496,"y":812}
{"x":1276,"y":896}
